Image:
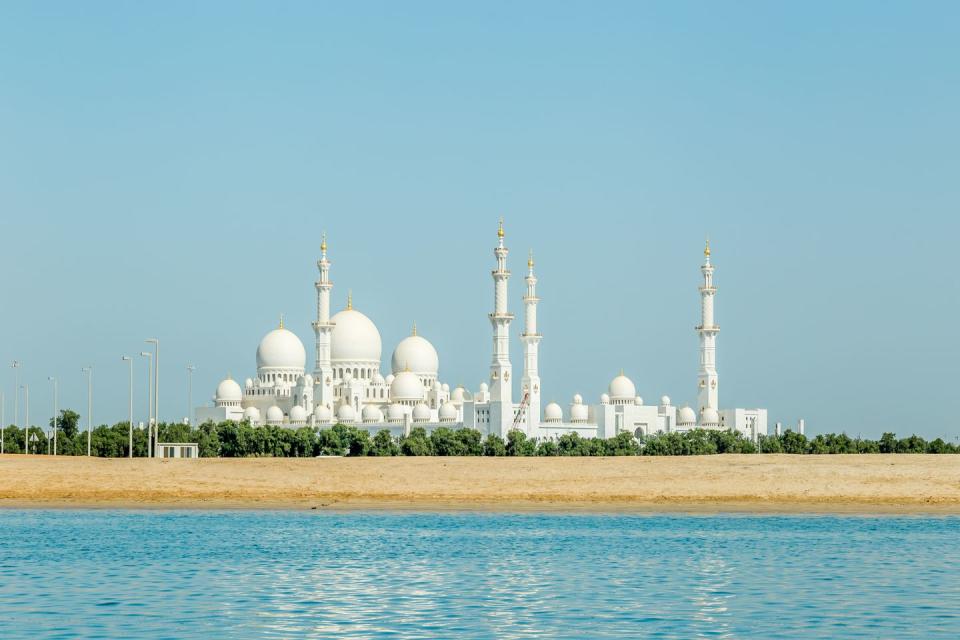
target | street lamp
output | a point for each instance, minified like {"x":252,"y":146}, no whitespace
{"x":3,"y":419}
{"x":129,"y":361}
{"x":54,"y":381}
{"x":149,"y":356}
{"x":156,"y":376}
{"x":26,"y":414}
{"x":190,"y":370}
{"x":16,"y":392}
{"x":89,"y":372}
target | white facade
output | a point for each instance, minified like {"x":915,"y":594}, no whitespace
{"x":347,"y":384}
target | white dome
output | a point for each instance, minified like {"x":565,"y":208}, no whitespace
{"x":421,"y":413}
{"x":281,"y":349}
{"x":638,"y":401}
{"x":686,"y":416}
{"x":709,"y":417}
{"x":448,"y":412}
{"x":458,"y":395}
{"x":553,"y":413}
{"x":579,"y":412}
{"x":322,"y":413}
{"x":377,"y":378}
{"x":577,"y":398}
{"x":389,"y":379}
{"x":446,"y":387}
{"x":665,"y":401}
{"x":298,"y":414}
{"x":274,"y":415}
{"x":252,"y":414}
{"x":406,"y":386}
{"x":416,"y":354}
{"x":372,"y":414}
{"x":395,"y":412}
{"x":248,"y":383}
{"x":229,"y":391}
{"x":484,"y":387}
{"x":622,"y":388}
{"x":354,"y":338}
{"x":307,"y":380}
{"x":346,"y":413}
{"x":604,"y":398}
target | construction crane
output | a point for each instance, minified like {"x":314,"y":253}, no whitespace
{"x":519,"y":416}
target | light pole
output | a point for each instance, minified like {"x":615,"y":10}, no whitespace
{"x":26,"y":417}
{"x":3,"y":419}
{"x":190,"y":370}
{"x":149,"y":356}
{"x":129,"y":361}
{"x":16,"y":392}
{"x":156,"y":377}
{"x":89,"y":372}
{"x":54,"y":381}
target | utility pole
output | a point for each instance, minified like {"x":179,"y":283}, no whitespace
{"x":89,"y":372}
{"x":54,"y":380}
{"x":149,"y":356}
{"x":190,"y":370}
{"x":129,"y":361}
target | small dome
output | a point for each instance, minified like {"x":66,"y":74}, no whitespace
{"x":307,"y":380}
{"x":686,"y":417}
{"x":579,"y":412}
{"x":377,"y":378}
{"x":322,"y":413}
{"x":281,"y":349}
{"x":622,"y":389}
{"x":446,"y":387}
{"x":458,"y":395}
{"x":604,"y":398}
{"x":346,"y":414}
{"x":395,"y":412}
{"x":416,"y":354}
{"x":298,"y":414}
{"x":638,"y":401}
{"x":229,"y":391}
{"x":372,"y":414}
{"x":448,"y":412}
{"x":577,"y":398}
{"x":354,"y":338}
{"x":552,"y":413}
{"x":252,"y":414}
{"x":665,"y":401}
{"x":709,"y":417}
{"x":406,"y":387}
{"x":484,"y":387}
{"x":274,"y":415}
{"x":248,"y":383}
{"x":421,"y":413}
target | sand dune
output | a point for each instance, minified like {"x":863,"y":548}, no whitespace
{"x":878,"y":483}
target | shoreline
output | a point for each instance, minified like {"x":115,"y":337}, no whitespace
{"x":723,"y":484}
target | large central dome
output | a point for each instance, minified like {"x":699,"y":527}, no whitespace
{"x":281,"y":349}
{"x":355,"y":338}
{"x":415,"y":354}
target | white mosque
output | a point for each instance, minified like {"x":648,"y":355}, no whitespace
{"x":347,"y":385}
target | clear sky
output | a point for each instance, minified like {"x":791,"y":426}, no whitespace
{"x":166,"y":169}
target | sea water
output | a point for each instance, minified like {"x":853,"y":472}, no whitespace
{"x":196,"y":574}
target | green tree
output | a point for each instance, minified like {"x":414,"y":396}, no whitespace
{"x":888,"y":443}
{"x":444,"y":442}
{"x":470,"y":442}
{"x":383,"y":445}
{"x":67,"y":423}
{"x":793,"y":442}
{"x":416,"y":444}
{"x":548,"y":448}
{"x":913,"y":444}
{"x":493,"y":446}
{"x":519,"y":445}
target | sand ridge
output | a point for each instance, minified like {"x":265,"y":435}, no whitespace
{"x":778,"y":483}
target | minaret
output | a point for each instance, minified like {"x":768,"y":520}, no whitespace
{"x":708,"y":380}
{"x":531,"y":348}
{"x":323,"y":372}
{"x":501,"y":398}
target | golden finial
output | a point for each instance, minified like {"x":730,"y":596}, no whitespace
{"x":530,"y":260}
{"x":281,"y":321}
{"x":414,"y":328}
{"x":323,"y":243}
{"x":621,"y":371}
{"x":349,"y":300}
{"x":706,"y":250}
{"x":500,"y":230}
{"x":229,"y":377}
{"x":406,"y":367}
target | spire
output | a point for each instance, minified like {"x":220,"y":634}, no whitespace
{"x":530,"y":260}
{"x":706,"y":249}
{"x":500,"y":233}
{"x":414,"y":328}
{"x":323,"y":243}
{"x":349,"y":300}
{"x":281,"y":321}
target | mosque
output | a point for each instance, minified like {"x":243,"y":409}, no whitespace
{"x":347,"y":384}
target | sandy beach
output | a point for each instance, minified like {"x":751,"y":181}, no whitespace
{"x":767,"y":483}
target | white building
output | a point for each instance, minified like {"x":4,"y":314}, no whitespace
{"x":347,"y":384}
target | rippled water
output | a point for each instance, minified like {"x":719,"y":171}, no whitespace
{"x":119,"y":574}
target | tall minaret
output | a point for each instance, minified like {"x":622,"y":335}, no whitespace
{"x":323,"y":372}
{"x":708,"y":380}
{"x":501,"y":398}
{"x":531,"y":347}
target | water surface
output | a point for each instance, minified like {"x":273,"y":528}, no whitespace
{"x":126,"y":574}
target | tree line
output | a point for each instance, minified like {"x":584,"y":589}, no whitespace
{"x":241,"y":439}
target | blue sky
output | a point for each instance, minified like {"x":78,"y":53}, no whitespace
{"x":167,"y":170}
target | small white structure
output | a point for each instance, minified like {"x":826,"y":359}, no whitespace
{"x":177,"y":450}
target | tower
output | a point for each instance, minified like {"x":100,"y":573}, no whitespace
{"x":707,"y":380}
{"x":531,"y":348}
{"x":501,"y":398}
{"x":323,"y":372}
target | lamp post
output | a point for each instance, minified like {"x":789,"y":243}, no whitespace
{"x":54,"y":381}
{"x":3,"y":419}
{"x":190,"y":370}
{"x":156,"y":376}
{"x":16,"y":392}
{"x":129,"y":362}
{"x":89,"y":372}
{"x":26,"y":417}
{"x":149,"y":356}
